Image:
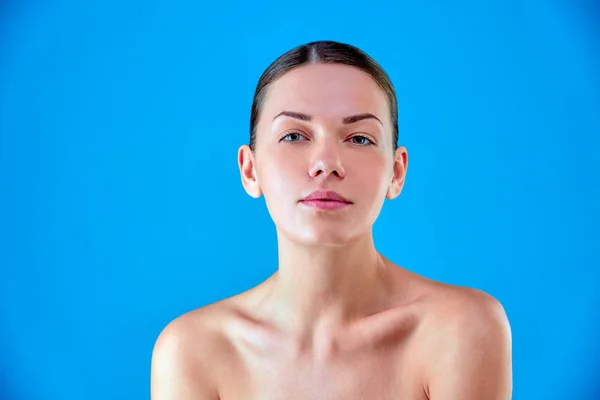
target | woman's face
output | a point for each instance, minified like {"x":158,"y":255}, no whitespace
{"x":306,"y":142}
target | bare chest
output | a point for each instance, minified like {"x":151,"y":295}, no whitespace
{"x":375,"y":374}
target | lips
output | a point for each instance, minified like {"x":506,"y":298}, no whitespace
{"x":326,"y":196}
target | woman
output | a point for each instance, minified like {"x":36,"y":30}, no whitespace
{"x":337,"y":320}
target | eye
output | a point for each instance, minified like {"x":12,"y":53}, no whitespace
{"x":292,"y":137}
{"x":362,"y":140}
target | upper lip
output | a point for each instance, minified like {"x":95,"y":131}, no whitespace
{"x":329,"y":195}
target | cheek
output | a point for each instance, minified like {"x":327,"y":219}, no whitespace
{"x":281,"y":183}
{"x":279,"y":175}
{"x":370,"y":186}
{"x":372,"y":173}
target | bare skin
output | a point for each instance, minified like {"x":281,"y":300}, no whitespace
{"x":337,"y":320}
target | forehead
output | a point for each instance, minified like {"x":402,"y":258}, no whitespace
{"x":327,"y":91}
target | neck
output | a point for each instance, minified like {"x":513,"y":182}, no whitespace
{"x":324,"y":288}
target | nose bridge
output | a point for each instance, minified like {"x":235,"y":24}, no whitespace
{"x":326,"y":156}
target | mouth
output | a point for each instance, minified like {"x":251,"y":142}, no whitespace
{"x":325,"y":200}
{"x":326,"y":195}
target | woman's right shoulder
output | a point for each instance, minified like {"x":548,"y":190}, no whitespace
{"x":197,"y":327}
{"x":185,"y":352}
{"x":213,"y":322}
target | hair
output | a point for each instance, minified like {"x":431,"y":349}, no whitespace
{"x":323,"y":52}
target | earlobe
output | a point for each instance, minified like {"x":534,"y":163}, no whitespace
{"x":393,"y":191}
{"x":248,"y":172}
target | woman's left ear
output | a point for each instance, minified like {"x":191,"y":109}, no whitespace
{"x":399,"y":173}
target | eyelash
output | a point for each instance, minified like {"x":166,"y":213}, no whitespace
{"x":370,"y":142}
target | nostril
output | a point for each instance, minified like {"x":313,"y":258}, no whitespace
{"x":318,"y":172}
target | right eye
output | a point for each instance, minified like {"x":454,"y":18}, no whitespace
{"x":292,"y":137}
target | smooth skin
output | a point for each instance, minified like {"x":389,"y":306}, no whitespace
{"x":337,"y":320}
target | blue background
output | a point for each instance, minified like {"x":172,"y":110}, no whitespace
{"x":121,"y":201}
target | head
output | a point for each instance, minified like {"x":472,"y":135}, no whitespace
{"x":324,"y":116}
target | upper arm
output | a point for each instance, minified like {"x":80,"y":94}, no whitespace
{"x":473,"y":354}
{"x":178,"y":371}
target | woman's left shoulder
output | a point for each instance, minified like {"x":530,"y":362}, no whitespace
{"x":465,"y":311}
{"x":466,"y":331}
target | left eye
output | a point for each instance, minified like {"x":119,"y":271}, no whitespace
{"x":361,"y":140}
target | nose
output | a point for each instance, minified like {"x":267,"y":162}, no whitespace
{"x":326,"y":160}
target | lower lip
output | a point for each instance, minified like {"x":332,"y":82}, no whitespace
{"x":325,"y":204}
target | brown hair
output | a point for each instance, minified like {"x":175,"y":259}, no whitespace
{"x":323,"y":52}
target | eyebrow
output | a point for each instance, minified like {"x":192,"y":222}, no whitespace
{"x":346,"y":120}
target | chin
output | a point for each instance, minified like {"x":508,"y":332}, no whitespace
{"x":323,"y":237}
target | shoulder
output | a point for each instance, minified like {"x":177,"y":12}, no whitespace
{"x":466,"y":309}
{"x":443,"y":305}
{"x":468,"y":338}
{"x":183,"y":356}
{"x":188,"y":331}
{"x":457,"y":310}
{"x":460,"y":314}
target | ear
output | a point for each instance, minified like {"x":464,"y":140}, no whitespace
{"x":248,"y":171}
{"x":399,"y":173}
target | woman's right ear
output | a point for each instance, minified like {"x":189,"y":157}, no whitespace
{"x":248,"y":171}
